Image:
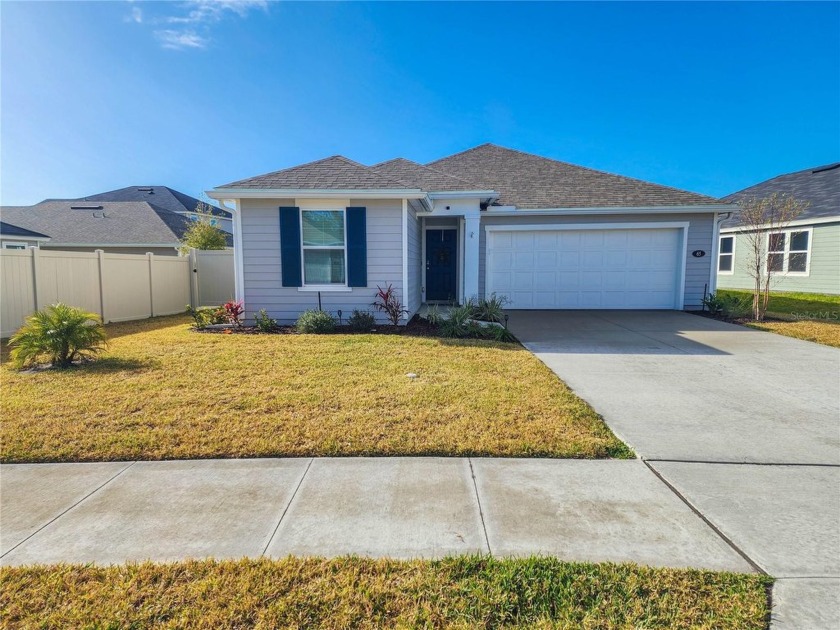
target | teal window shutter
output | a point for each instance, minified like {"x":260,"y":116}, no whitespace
{"x":356,"y":247}
{"x":290,"y":247}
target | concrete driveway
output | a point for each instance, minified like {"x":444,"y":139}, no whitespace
{"x":743,"y":425}
{"x":683,"y":387}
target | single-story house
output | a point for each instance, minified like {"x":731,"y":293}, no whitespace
{"x":168,"y":199}
{"x":127,"y":227}
{"x":805,"y":255}
{"x":16,"y":237}
{"x":543,"y":233}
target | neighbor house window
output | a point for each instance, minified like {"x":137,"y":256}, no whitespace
{"x":726,"y":255}
{"x":324,"y":252}
{"x":14,"y":245}
{"x":788,"y":251}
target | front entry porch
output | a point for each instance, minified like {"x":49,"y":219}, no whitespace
{"x":449,"y":265}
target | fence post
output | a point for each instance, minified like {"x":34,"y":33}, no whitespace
{"x":151,"y":258}
{"x":193,"y":275}
{"x":100,"y":256}
{"x":36,"y":265}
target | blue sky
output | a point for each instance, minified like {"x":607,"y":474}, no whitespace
{"x":710,"y":97}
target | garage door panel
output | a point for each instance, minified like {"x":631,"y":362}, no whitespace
{"x":571,"y":268}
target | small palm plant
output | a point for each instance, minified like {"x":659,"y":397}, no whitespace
{"x":58,"y":334}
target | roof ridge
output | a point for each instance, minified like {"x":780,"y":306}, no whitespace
{"x":590,"y":169}
{"x":436,"y":170}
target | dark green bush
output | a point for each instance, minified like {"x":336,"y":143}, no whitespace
{"x":204,"y":316}
{"x":315,"y":322}
{"x":361,"y":321}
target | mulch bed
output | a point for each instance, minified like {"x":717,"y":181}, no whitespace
{"x":416,"y":327}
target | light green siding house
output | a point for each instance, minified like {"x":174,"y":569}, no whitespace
{"x":805,"y":256}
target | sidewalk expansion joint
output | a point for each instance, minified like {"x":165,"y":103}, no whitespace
{"x":702,"y":517}
{"x":58,"y":516}
{"x":288,"y":505}
{"x":480,"y":509}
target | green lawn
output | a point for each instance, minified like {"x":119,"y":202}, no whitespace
{"x":810,"y":316}
{"x":463,"y":592}
{"x":162,"y":391}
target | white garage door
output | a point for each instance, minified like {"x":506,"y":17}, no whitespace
{"x":591,"y":268}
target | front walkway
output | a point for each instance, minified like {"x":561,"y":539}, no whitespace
{"x":399,"y":507}
{"x":743,"y":424}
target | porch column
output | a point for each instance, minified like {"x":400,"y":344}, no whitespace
{"x":471,"y":256}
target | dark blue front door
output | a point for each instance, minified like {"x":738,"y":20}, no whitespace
{"x":441,"y":265}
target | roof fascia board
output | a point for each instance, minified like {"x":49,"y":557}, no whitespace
{"x":797,"y":222}
{"x":711,"y":208}
{"x":57,"y":243}
{"x":311,"y":193}
{"x":461,"y":194}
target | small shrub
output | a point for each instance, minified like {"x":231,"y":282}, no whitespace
{"x":434,"y":315}
{"x":58,"y":334}
{"x":388,"y":303}
{"x":361,"y":321}
{"x":491,"y":309}
{"x":263,"y":322}
{"x":233,"y":313}
{"x":204,"y":316}
{"x":315,"y":322}
{"x":500,"y":333}
{"x":729,"y":306}
{"x":458,"y":323}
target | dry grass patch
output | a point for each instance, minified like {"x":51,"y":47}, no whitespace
{"x":465,"y":592}
{"x":824,"y":332}
{"x":162,"y":391}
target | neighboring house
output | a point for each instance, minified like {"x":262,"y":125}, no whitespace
{"x":130,"y":227}
{"x":16,"y":237}
{"x":168,"y":199}
{"x":805,"y":255}
{"x":545,"y":234}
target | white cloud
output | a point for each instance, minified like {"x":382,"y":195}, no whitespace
{"x":136,"y":15}
{"x":189,"y":24}
{"x":179,"y":40}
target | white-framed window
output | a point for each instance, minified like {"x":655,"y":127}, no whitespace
{"x":726,"y":255}
{"x":789,"y":252}
{"x":324,"y":247}
{"x":14,"y":245}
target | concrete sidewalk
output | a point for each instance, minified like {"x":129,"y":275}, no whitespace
{"x":397,"y":507}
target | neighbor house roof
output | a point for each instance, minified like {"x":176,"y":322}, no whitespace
{"x":422,"y":177}
{"x":525,"y":180}
{"x":161,"y":196}
{"x":7,"y":229}
{"x":100,"y":223}
{"x":336,"y":172}
{"x":820,"y":186}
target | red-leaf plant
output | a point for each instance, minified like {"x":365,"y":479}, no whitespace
{"x":388,"y":303}
{"x":233,"y":312}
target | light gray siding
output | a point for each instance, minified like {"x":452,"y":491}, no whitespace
{"x":824,"y":271}
{"x":700,"y":235}
{"x":261,"y":261}
{"x":413,"y":294}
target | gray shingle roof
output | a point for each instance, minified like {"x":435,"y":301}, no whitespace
{"x":336,"y":172}
{"x":422,"y":177}
{"x":100,"y":223}
{"x":525,"y":180}
{"x":819,"y":185}
{"x":7,"y":229}
{"x":161,"y":196}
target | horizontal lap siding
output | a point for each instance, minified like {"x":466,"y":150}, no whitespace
{"x":824,"y":273}
{"x":261,"y":261}
{"x":700,"y":231}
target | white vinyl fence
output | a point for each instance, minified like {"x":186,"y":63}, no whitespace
{"x":119,"y":287}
